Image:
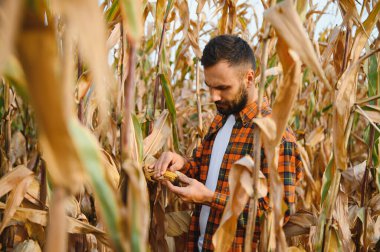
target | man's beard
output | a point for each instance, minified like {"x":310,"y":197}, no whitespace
{"x":234,"y":106}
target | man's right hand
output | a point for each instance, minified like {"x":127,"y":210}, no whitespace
{"x":168,"y":161}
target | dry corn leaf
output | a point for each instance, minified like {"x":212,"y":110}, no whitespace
{"x":114,"y":37}
{"x":340,"y":214}
{"x":295,"y":249}
{"x":9,"y":180}
{"x":27,"y":246}
{"x":178,"y":222}
{"x":192,"y":35}
{"x":132,"y":16}
{"x":111,"y":170}
{"x":39,"y":57}
{"x":333,"y":242}
{"x":18,"y":146}
{"x":274,"y":128}
{"x":137,"y":216}
{"x":14,"y":73}
{"x":307,"y":168}
{"x":350,"y":11}
{"x":156,"y":140}
{"x":374,"y":116}
{"x":19,"y":179}
{"x":9,"y":20}
{"x":92,"y":243}
{"x":41,"y":218}
{"x":55,"y":136}
{"x":33,"y":193}
{"x":274,"y":71}
{"x":72,"y":208}
{"x":222,"y":24}
{"x":36,"y":232}
{"x":83,"y":85}
{"x":159,"y":13}
{"x":315,"y":137}
{"x":331,"y":44}
{"x":352,"y":178}
{"x":240,"y":182}
{"x":373,"y":232}
{"x":183,"y":9}
{"x":374,"y":204}
{"x":288,"y":26}
{"x":138,"y":204}
{"x":346,"y":95}
{"x":200,"y":5}
{"x":353,"y":213}
{"x":231,"y":15}
{"x":80,"y":19}
{"x":339,"y":49}
{"x":299,"y":223}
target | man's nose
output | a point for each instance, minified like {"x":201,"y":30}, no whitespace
{"x":215,"y":95}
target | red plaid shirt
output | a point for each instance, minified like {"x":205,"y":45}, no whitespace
{"x":240,"y":144}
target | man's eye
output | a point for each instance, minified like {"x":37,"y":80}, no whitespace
{"x":222,"y":88}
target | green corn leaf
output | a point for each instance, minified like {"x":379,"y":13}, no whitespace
{"x":327,"y":178}
{"x":171,"y":107}
{"x":112,"y":11}
{"x":138,"y":136}
{"x":373,"y":76}
{"x":14,"y":73}
{"x":90,"y":157}
{"x":133,"y":18}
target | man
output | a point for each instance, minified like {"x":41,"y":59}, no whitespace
{"x":229,"y":66}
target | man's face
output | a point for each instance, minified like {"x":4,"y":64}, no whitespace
{"x":227,"y":88}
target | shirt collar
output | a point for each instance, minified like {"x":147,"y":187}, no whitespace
{"x":251,"y":111}
{"x":246,"y":115}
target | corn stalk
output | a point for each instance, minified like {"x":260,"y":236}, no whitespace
{"x":198,"y":93}
{"x":257,"y":146}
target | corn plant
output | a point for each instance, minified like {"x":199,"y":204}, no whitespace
{"x":92,"y":92}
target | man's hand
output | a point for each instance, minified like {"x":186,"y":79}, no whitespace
{"x":168,"y":161}
{"x":194,"y":191}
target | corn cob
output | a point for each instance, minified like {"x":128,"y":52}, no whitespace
{"x":172,"y":177}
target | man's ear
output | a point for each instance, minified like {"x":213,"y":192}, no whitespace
{"x":250,"y":78}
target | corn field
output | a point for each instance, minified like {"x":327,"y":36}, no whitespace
{"x":92,"y":92}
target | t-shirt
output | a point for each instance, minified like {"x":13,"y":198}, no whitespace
{"x":218,"y":150}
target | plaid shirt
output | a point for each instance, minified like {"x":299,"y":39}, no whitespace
{"x":240,"y":144}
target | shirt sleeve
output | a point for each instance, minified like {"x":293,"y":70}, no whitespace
{"x":290,"y":172}
{"x":219,"y":201}
{"x":192,"y":166}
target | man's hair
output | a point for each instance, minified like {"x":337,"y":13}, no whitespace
{"x":230,"y":48}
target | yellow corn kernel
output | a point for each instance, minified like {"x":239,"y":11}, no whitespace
{"x":172,"y":177}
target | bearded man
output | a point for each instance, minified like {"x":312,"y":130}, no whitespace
{"x":229,"y":72}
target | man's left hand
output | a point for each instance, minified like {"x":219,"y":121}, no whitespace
{"x":194,"y":191}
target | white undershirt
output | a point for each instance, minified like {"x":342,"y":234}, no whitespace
{"x":218,"y":149}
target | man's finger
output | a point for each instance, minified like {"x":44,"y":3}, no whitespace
{"x":174,"y":167}
{"x":176,"y":189}
{"x":158,"y":166}
{"x":163,"y":165}
{"x":183,"y":178}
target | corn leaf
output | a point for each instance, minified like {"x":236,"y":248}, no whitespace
{"x":90,"y":155}
{"x":240,"y":183}
{"x":132,"y":15}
